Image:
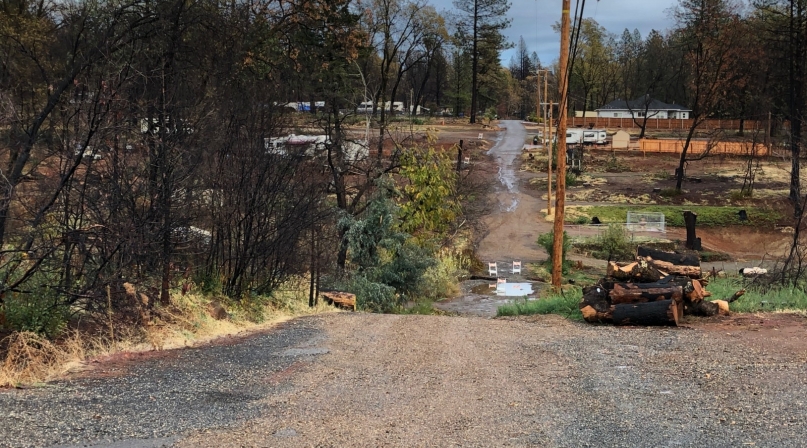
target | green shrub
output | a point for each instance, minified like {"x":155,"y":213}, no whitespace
{"x":441,"y":279}
{"x":209,"y":283}
{"x":582,"y":220}
{"x":546,"y":240}
{"x":572,"y":180}
{"x":615,"y":243}
{"x":613,"y":165}
{"x":38,"y":312}
{"x":373,"y":296}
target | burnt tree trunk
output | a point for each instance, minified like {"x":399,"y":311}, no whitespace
{"x":677,"y":258}
{"x":693,"y":242}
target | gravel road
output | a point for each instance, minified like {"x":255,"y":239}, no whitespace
{"x":387,"y":380}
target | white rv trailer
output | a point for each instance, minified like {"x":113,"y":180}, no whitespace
{"x":367,"y":106}
{"x":586,"y":136}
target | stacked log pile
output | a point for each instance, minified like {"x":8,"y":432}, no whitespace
{"x":659,"y":288}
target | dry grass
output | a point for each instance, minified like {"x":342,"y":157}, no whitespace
{"x":33,"y":359}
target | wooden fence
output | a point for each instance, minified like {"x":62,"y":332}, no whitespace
{"x":700,"y":146}
{"x":663,"y":123}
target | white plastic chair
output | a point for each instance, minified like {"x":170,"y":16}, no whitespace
{"x":493,"y":270}
{"x":516,"y":267}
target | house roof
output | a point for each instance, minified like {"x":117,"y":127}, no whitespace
{"x":640,"y":104}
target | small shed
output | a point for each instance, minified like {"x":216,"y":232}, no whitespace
{"x":621,"y":140}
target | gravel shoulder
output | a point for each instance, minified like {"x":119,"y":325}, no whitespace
{"x":542,"y":381}
{"x":352,"y":379}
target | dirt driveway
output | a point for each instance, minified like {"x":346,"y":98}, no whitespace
{"x":516,"y":220}
{"x":388,"y":380}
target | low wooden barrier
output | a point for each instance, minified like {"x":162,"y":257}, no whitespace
{"x":700,"y":146}
{"x":670,"y":124}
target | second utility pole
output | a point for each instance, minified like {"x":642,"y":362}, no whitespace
{"x":560,"y":192}
{"x":548,"y":137}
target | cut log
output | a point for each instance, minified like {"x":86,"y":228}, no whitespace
{"x":675,"y":258}
{"x":663,"y":312}
{"x":343,"y":300}
{"x":597,"y":298}
{"x":620,"y":271}
{"x":698,"y":293}
{"x":704,"y":308}
{"x":723,"y":306}
{"x":641,"y":272}
{"x":666,"y":266}
{"x":596,"y":305}
{"x":644,"y":292}
{"x":594,"y":316}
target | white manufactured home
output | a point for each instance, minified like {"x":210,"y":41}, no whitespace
{"x":643,"y":107}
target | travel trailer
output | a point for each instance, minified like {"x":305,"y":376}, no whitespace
{"x":594,"y":137}
{"x":577,"y":136}
{"x":367,"y":107}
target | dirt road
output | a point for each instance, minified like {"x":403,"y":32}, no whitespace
{"x":388,"y":380}
{"x":516,"y":221}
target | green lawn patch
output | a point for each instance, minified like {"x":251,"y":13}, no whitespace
{"x":566,"y":304}
{"x":708,"y":216}
{"x":756,"y":299}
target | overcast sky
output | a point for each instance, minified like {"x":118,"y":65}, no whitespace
{"x":533,"y":20}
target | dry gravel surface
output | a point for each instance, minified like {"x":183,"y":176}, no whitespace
{"x":387,"y":380}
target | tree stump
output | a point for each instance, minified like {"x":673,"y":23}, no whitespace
{"x":693,"y":242}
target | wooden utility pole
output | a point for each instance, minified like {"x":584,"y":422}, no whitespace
{"x":548,"y":146}
{"x":560,"y":201}
{"x":549,"y":162}
{"x":547,"y":135}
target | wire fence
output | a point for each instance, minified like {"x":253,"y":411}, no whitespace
{"x":635,"y":231}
